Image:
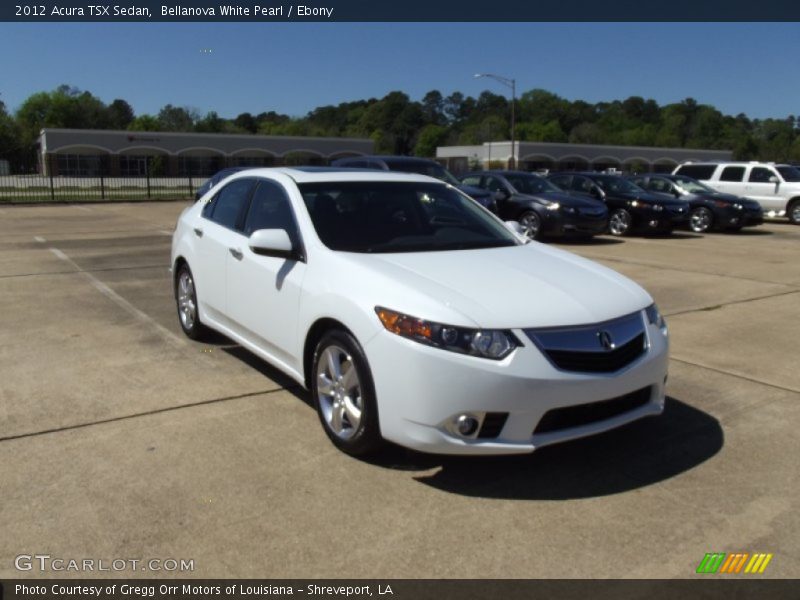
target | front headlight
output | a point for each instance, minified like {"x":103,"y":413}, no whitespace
{"x":738,"y":206}
{"x":658,"y":207}
{"x":553,"y":206}
{"x":654,"y":317}
{"x":487,"y":343}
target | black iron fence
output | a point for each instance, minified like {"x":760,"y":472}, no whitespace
{"x":59,"y":188}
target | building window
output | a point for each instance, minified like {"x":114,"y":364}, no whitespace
{"x":81,"y":165}
{"x":141,"y":166}
{"x":253,"y":161}
{"x":198,"y":166}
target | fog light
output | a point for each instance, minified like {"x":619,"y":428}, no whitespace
{"x":653,"y":223}
{"x":466,"y":425}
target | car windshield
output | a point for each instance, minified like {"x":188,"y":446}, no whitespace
{"x":531,"y":184}
{"x":789,"y":173}
{"x":386,"y":217}
{"x":692,"y":185}
{"x":424,"y":168}
{"x":613,"y":184}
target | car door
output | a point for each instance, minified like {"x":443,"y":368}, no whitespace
{"x":760,"y":188}
{"x":217,"y":231}
{"x":731,"y":180}
{"x":502,"y":194}
{"x":264,"y":291}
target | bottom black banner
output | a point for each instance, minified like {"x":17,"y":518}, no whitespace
{"x":395,"y":589}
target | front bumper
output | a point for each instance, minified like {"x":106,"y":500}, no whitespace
{"x":562,"y":223}
{"x":421,"y":390}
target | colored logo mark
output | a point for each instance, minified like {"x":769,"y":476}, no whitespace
{"x":736,"y":562}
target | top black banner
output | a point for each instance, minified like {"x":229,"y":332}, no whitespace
{"x":269,"y":11}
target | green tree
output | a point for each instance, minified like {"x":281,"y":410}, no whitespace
{"x":429,"y":138}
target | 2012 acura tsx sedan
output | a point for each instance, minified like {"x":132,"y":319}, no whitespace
{"x":414,"y":315}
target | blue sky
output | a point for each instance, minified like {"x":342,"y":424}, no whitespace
{"x":294,"y":67}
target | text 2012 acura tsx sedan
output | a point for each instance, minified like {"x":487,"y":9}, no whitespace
{"x":414,"y":315}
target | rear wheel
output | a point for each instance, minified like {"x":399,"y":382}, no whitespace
{"x":619,"y":222}
{"x":793,"y":212}
{"x":531,"y":225}
{"x":701,"y":220}
{"x":186,"y":300}
{"x":344,"y":394}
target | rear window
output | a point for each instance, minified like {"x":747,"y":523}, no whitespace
{"x":697,"y":171}
{"x":732,"y":174}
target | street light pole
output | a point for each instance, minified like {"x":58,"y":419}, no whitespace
{"x":512,"y":83}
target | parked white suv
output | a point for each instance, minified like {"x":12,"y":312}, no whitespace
{"x":776,"y":187}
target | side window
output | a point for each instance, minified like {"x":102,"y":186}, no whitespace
{"x":660,"y":185}
{"x":582,"y":185}
{"x":732,"y":174}
{"x":270,"y":209}
{"x":760,"y":175}
{"x":229,"y":203}
{"x":474,"y":180}
{"x":561,"y":181}
{"x":697,"y":171}
{"x":639,"y":181}
{"x":493,"y":184}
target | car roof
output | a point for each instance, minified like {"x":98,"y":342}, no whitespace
{"x":326,"y":174}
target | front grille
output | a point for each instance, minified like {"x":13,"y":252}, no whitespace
{"x":493,"y":423}
{"x":593,"y":412}
{"x":598,"y":362}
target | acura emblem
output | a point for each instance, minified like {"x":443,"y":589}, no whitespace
{"x":605,"y":340}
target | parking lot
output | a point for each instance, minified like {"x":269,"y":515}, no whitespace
{"x":122,"y":439}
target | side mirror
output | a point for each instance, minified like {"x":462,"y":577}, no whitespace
{"x":773,"y":179}
{"x":273,"y":242}
{"x":515,"y":228}
{"x":501,"y":195}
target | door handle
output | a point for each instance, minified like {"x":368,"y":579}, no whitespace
{"x":198,"y":232}
{"x":236,"y":253}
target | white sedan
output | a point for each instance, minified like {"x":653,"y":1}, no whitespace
{"x":414,"y":315}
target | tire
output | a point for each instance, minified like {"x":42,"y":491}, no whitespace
{"x":186,"y":304}
{"x":344,"y":394}
{"x":619,"y":222}
{"x":531,"y":225}
{"x":793,"y":212}
{"x":701,"y":220}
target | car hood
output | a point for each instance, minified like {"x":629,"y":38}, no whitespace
{"x":475,"y":192}
{"x":731,"y":198}
{"x":563,"y":199}
{"x":514,"y":287}
{"x":650,"y":198}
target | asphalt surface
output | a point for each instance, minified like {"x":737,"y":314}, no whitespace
{"x":121,"y":439}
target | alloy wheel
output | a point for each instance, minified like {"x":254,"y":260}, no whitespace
{"x":339,"y":392}
{"x":620,"y":222}
{"x":187,"y":306}
{"x":700,"y":220}
{"x":531,"y":224}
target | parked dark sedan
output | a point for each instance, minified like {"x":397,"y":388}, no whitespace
{"x":630,"y":207}
{"x":421,"y":166}
{"x":539,"y":206}
{"x":709,"y":209}
{"x":216,"y":178}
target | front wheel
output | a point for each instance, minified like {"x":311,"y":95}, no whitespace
{"x":344,"y":394}
{"x":701,"y":220}
{"x":531,"y":225}
{"x":619,"y":222}
{"x":794,"y":212}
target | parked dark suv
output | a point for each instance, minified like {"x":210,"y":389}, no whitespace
{"x":709,"y":209}
{"x":630,"y":207}
{"x":539,"y":206}
{"x":422,"y":166}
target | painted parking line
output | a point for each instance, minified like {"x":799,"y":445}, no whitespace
{"x":120,"y":301}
